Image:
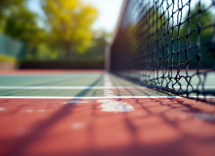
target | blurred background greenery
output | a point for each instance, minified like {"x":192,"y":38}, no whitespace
{"x":67,"y":35}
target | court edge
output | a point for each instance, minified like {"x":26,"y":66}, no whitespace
{"x":105,"y":97}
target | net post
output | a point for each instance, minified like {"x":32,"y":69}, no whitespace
{"x":107,"y":58}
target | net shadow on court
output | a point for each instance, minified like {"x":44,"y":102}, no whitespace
{"x":157,"y":125}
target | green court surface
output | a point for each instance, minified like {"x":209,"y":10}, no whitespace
{"x":71,"y":85}
{"x":83,"y":84}
{"x":199,"y":82}
{"x":53,"y":80}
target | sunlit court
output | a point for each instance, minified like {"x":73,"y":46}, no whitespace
{"x":107,"y":78}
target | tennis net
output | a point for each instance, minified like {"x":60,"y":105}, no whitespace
{"x":168,"y":45}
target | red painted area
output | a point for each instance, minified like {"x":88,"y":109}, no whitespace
{"x":156,"y":127}
{"x":45,"y":71}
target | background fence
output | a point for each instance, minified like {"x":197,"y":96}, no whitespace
{"x":12,"y":47}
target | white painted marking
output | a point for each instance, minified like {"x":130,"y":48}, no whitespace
{"x":96,"y":97}
{"x":107,"y":86}
{"x":108,"y":93}
{"x":103,"y":101}
{"x":205,"y":116}
{"x":182,"y":116}
{"x":74,"y":102}
{"x":32,"y":111}
{"x":77,"y":126}
{"x":2,"y":109}
{"x":41,"y":110}
{"x":107,"y":81}
{"x":28,"y":111}
{"x":115,"y":106}
{"x":23,"y":131}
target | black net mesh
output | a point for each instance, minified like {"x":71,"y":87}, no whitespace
{"x":168,"y":45}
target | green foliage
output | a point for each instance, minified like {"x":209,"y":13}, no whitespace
{"x":45,"y":52}
{"x":96,"y":50}
{"x":21,"y":24}
{"x":4,"y":4}
{"x":98,"y":45}
{"x":206,"y":18}
{"x":6,"y":7}
{"x":204,"y":21}
{"x":70,"y":23}
{"x":68,"y":29}
{"x":5,"y":58}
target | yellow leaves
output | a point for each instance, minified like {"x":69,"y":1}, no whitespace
{"x":71,"y":21}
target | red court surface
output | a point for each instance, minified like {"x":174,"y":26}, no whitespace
{"x":155,"y":127}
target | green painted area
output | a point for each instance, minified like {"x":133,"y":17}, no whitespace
{"x":48,"y":92}
{"x":53,"y":80}
{"x":79,"y":92}
{"x":117,"y":81}
{"x":80,"y":79}
{"x":192,"y":77}
{"x":92,"y":79}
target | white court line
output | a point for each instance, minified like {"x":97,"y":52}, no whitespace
{"x":96,"y":97}
{"x":108,"y":84}
{"x":113,"y":105}
{"x":90,"y":87}
{"x":185,"y":87}
{"x":72,"y":87}
{"x":80,"y":97}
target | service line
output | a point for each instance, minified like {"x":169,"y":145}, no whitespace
{"x":72,"y":87}
{"x":91,"y":87}
{"x":97,"y":97}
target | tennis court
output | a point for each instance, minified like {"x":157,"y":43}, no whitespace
{"x":155,"y":97}
{"x":98,"y":113}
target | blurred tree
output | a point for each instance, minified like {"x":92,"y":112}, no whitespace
{"x":7,"y":3}
{"x":70,"y":22}
{"x":21,"y":24}
{"x":96,"y":50}
{"x":6,"y":7}
{"x":206,"y":19}
{"x":202,"y":22}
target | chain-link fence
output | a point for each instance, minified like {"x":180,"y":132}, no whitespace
{"x":12,"y":47}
